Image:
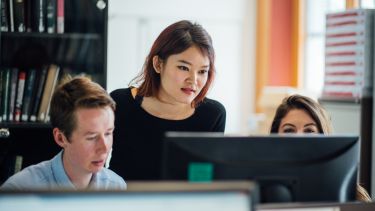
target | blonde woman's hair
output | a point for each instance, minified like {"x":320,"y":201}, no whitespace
{"x":313,"y":108}
{"x":362,"y":194}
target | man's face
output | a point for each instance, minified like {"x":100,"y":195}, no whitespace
{"x":90,"y":142}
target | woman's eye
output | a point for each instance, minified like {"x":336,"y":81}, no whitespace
{"x":309,"y":131}
{"x":183,"y":68}
{"x":289,"y":130}
{"x":203,"y":71}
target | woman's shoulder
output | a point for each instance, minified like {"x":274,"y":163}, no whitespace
{"x":212,"y":114}
{"x":121,"y":92}
{"x":211,"y":105}
{"x":122,"y":96}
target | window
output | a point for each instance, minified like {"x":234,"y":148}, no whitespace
{"x":314,"y":42}
{"x":367,"y":4}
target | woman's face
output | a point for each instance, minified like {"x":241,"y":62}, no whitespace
{"x":183,"y":76}
{"x":298,"y":121}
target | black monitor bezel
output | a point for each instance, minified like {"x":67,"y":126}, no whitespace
{"x":347,"y":143}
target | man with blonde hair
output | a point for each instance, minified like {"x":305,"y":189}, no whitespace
{"x":82,"y":117}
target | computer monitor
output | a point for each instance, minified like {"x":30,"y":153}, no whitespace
{"x":287,"y":168}
{"x":145,"y":196}
{"x":324,"y":206}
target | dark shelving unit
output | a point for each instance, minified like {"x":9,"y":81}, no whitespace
{"x":82,"y":48}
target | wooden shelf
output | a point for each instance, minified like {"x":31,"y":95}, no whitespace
{"x":30,"y":35}
{"x":25,"y":125}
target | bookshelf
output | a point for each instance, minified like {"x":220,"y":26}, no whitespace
{"x":81,"y":48}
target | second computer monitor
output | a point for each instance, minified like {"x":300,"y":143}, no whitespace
{"x":287,"y":168}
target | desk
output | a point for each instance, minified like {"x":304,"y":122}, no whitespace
{"x":350,"y":206}
{"x":144,"y":196}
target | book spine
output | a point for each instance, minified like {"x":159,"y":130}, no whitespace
{"x":30,"y":80}
{"x":47,"y":92}
{"x":54,"y":84}
{"x":18,"y":164}
{"x":38,"y":94}
{"x":20,"y":90}
{"x":60,"y":16}
{"x":12,"y":165}
{"x":38,"y":19}
{"x":19,"y":15}
{"x":11,"y":16}
{"x":28,"y":14}
{"x":5,"y":94}
{"x":13,"y":92}
{"x":4,"y":16}
{"x":51,"y":16}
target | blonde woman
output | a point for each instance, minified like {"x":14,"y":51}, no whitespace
{"x":301,"y":114}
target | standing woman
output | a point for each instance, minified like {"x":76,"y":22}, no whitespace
{"x":170,"y":95}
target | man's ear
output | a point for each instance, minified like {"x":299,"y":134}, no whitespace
{"x":157,"y":64}
{"x":59,"y":137}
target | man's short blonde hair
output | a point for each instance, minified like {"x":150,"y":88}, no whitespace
{"x":73,"y":94}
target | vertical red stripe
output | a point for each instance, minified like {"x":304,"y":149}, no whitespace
{"x":60,"y":8}
{"x":280,"y":72}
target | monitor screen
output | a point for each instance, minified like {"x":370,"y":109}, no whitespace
{"x":138,"y":197}
{"x":287,"y":168}
{"x":324,"y":206}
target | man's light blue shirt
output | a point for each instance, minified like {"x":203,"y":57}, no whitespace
{"x":51,"y":175}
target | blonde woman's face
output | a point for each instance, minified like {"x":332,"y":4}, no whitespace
{"x":298,"y":121}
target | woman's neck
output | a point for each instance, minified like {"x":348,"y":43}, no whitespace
{"x":164,"y":109}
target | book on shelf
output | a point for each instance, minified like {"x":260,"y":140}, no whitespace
{"x":19,"y":15}
{"x":60,"y":16}
{"x":39,"y":14}
{"x":11,"y":15}
{"x":49,"y":87}
{"x":13,"y":93}
{"x":18,"y":164}
{"x":4,"y":16}
{"x":19,"y":97}
{"x":39,"y":86}
{"x":29,"y":89}
{"x":28,"y":14}
{"x":5,"y":94}
{"x":51,"y":15}
{"x":58,"y":80}
{"x":32,"y":15}
{"x":13,"y":165}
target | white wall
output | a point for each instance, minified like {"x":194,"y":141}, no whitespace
{"x":134,"y":24}
{"x":345,"y":117}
